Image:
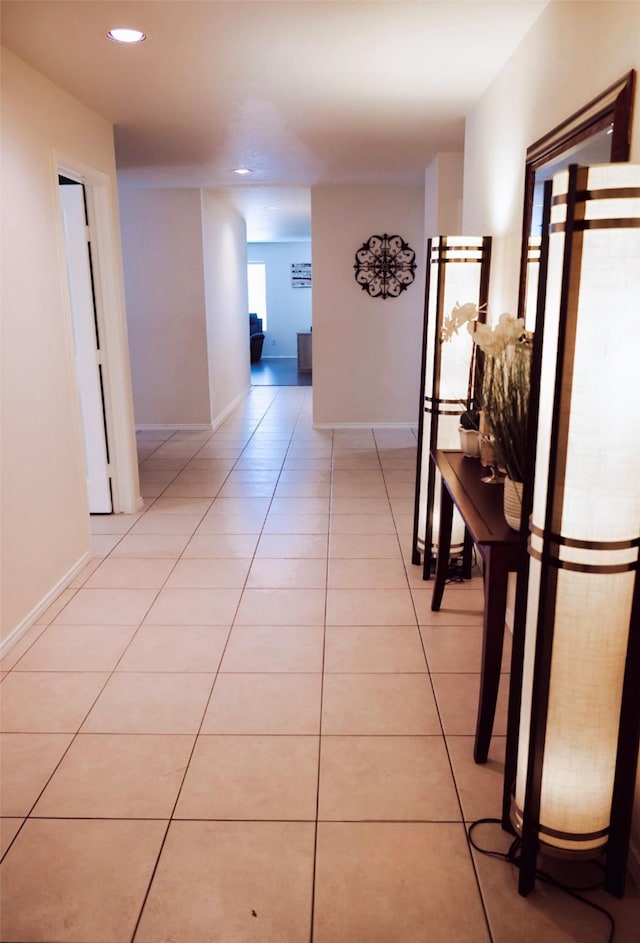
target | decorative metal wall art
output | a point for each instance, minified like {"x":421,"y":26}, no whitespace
{"x":385,"y":266}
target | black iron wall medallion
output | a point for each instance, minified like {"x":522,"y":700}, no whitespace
{"x":385,"y":266}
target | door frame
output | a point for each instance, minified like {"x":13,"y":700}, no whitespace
{"x":87,"y":345}
{"x":106,"y":259}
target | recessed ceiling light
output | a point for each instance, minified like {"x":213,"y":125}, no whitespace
{"x":242,"y":170}
{"x":122,"y":35}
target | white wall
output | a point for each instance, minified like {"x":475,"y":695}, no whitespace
{"x":288,"y":309}
{"x":443,"y":181}
{"x":224,"y":239}
{"x":572,"y":53}
{"x":164,"y":282}
{"x":186,"y":282}
{"x":366,"y":351}
{"x":45,"y":520}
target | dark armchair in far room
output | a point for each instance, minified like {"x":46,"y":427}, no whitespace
{"x":256,"y":337}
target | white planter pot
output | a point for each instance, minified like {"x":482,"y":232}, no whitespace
{"x":469,"y":442}
{"x":512,"y":504}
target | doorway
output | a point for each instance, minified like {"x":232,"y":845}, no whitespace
{"x":87,"y":343}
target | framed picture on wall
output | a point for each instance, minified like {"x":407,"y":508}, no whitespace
{"x":301,"y":274}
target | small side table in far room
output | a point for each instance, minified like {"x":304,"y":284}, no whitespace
{"x":305,"y":357}
{"x":503,"y":551}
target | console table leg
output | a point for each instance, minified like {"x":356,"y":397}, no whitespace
{"x":467,"y":555}
{"x":444,"y":548}
{"x":495,"y":586}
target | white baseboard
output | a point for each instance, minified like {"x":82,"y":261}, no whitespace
{"x":220,"y":418}
{"x":194,"y":426}
{"x":26,"y":623}
{"x":138,"y":505}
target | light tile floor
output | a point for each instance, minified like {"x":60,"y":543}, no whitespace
{"x":242,"y":722}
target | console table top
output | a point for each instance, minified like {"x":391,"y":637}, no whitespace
{"x":480,"y":504}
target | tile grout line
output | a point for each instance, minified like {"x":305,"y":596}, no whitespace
{"x":198,"y":733}
{"x":217,"y":673}
{"x":322,"y":679}
{"x":196,"y":736}
{"x":445,"y":744}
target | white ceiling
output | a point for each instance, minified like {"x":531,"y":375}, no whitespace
{"x":303,"y":92}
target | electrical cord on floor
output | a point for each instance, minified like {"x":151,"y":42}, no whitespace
{"x":455,"y":572}
{"x":512,"y":857}
{"x":455,"y":568}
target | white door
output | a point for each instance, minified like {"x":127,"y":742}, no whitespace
{"x":87,"y":347}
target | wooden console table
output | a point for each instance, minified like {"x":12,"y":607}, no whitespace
{"x":502,"y":550}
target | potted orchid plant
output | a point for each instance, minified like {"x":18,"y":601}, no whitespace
{"x":506,"y":352}
{"x":506,"y":387}
{"x":469,"y":427}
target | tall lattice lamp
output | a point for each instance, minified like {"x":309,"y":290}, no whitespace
{"x":531,"y":286}
{"x":457,"y":271}
{"x":580,"y":707}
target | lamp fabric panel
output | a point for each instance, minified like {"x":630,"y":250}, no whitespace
{"x":585,"y":526}
{"x":531,"y":284}
{"x":457,"y":273}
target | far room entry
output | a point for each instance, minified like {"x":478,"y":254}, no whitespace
{"x":280,"y":307}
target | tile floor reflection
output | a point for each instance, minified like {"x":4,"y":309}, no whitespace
{"x":242,"y":721}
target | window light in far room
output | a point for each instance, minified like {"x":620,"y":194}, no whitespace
{"x":126,"y":35}
{"x":257,"y":285}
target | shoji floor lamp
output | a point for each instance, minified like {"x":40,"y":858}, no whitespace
{"x":579,"y":725}
{"x":457,"y":272}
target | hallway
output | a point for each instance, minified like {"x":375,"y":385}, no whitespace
{"x":244,"y":723}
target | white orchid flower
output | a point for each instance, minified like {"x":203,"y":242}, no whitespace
{"x":460,"y":314}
